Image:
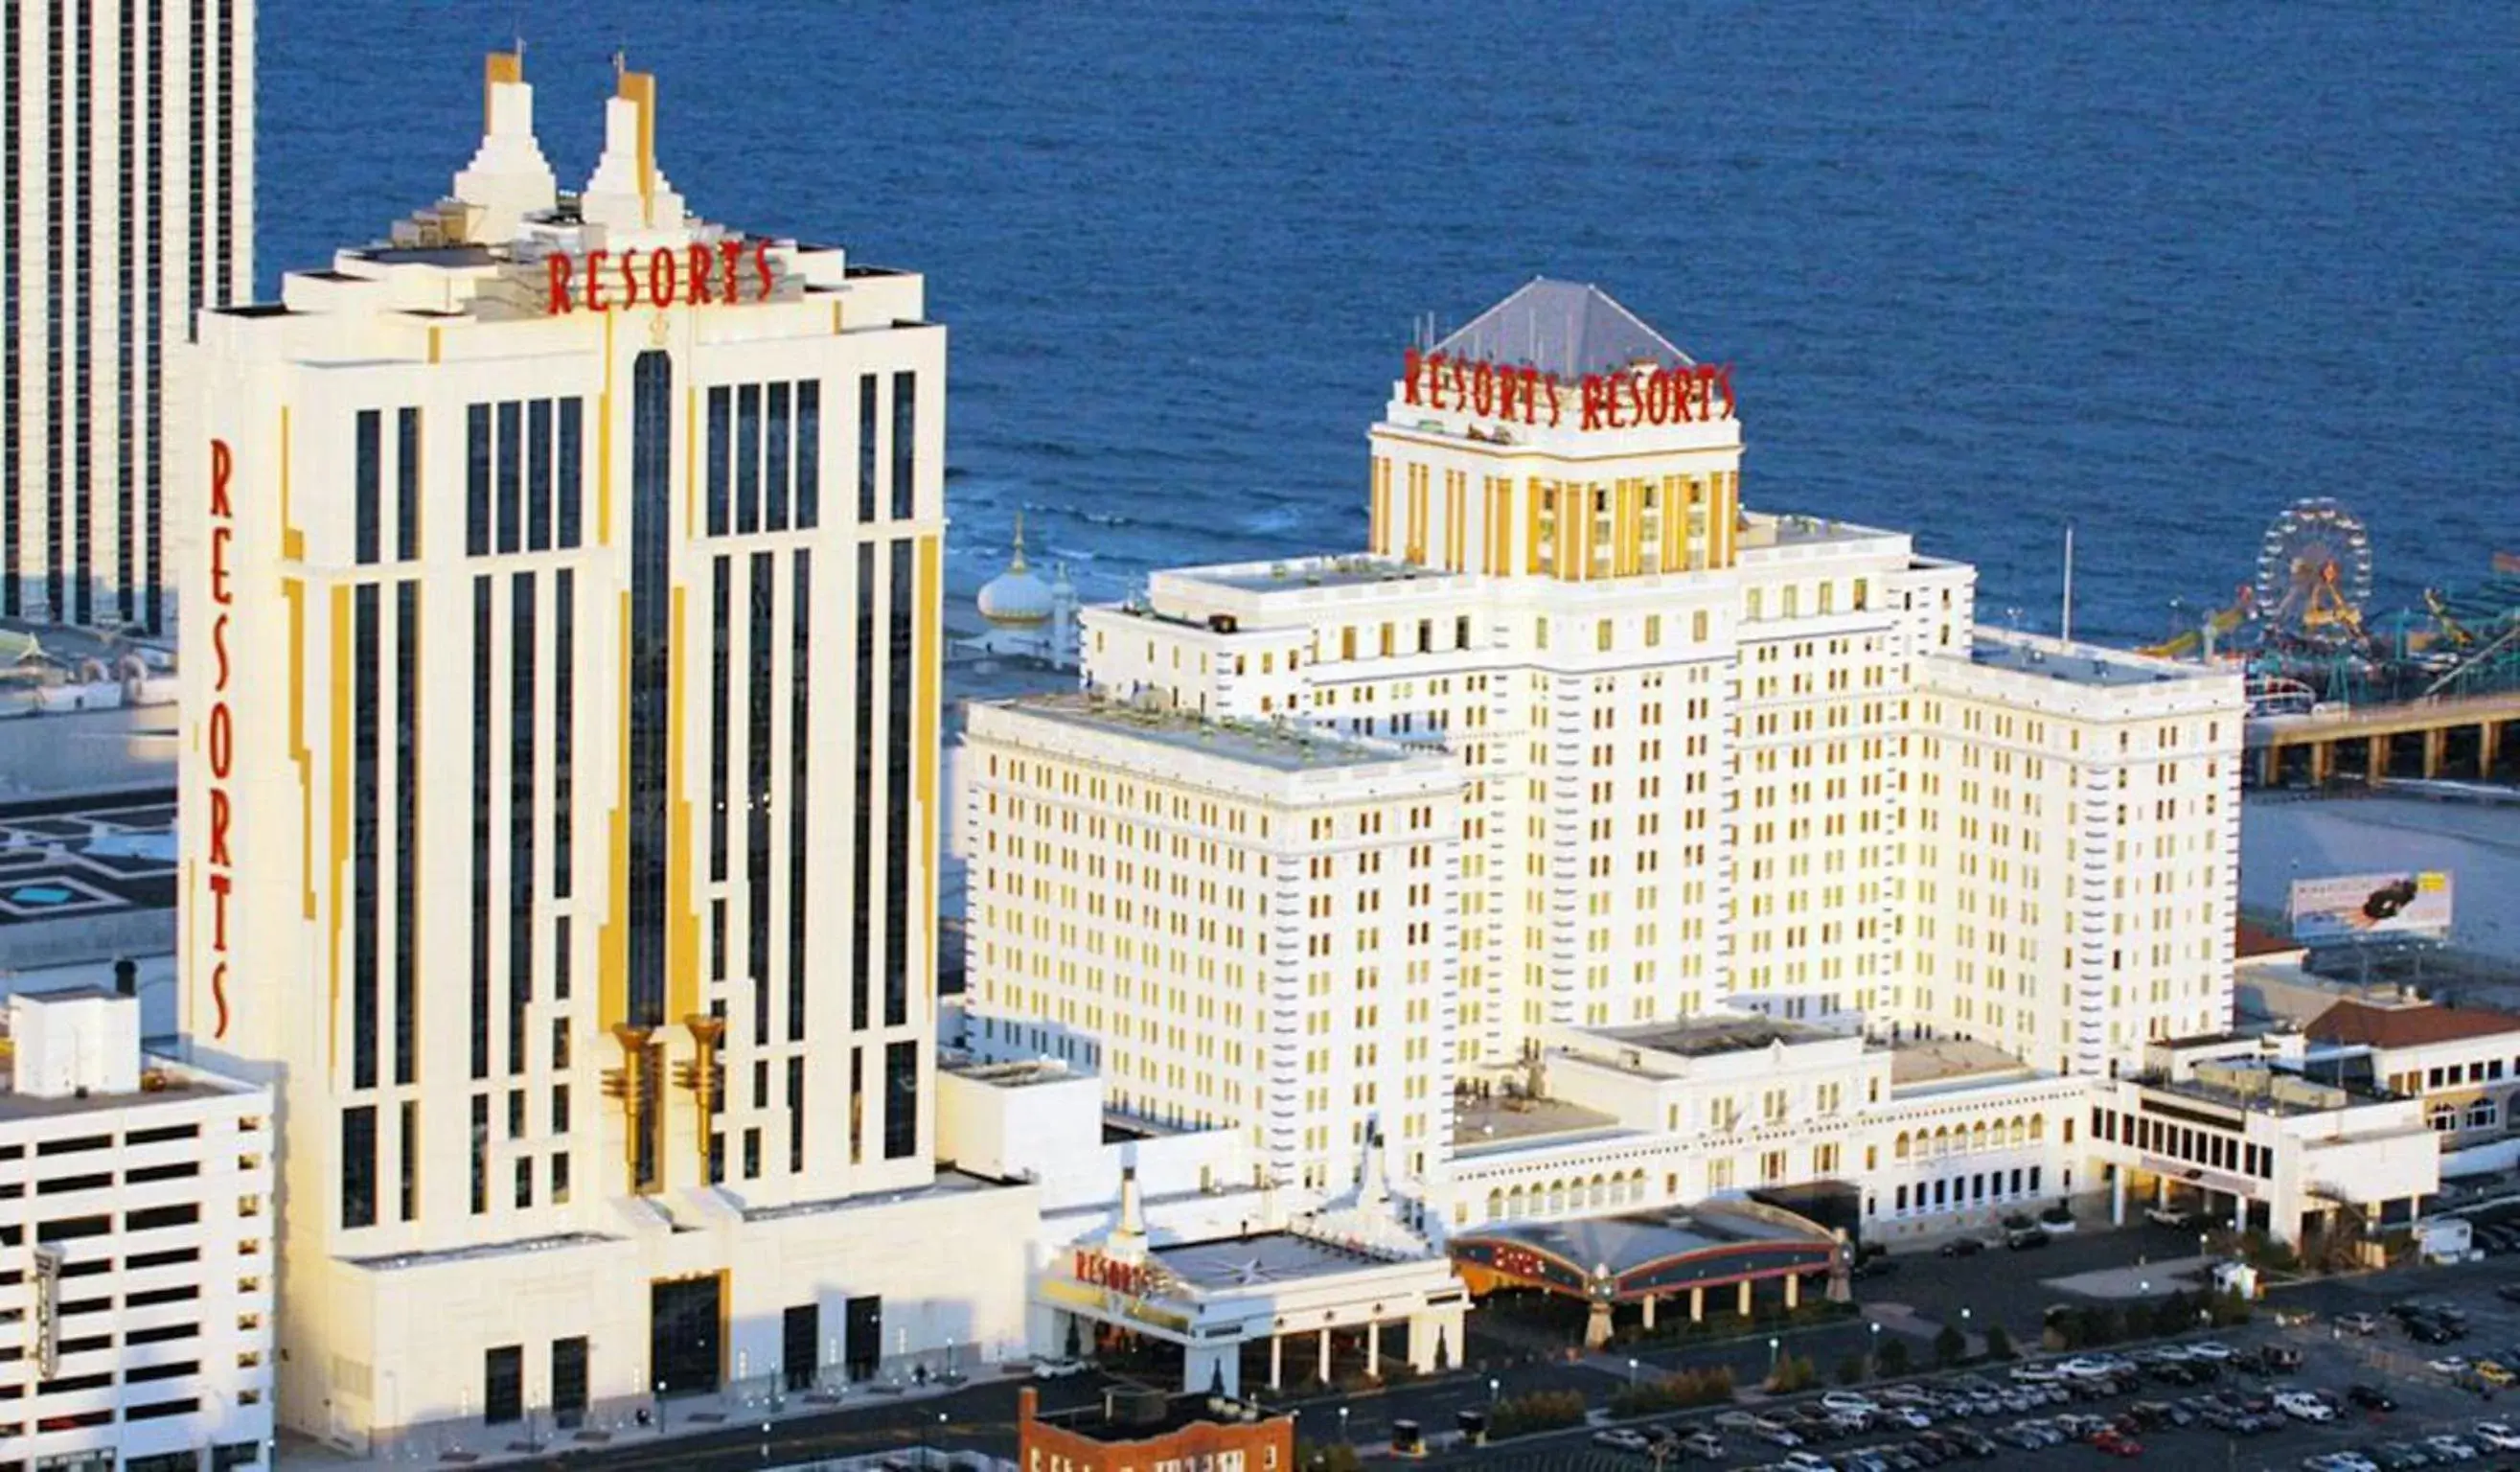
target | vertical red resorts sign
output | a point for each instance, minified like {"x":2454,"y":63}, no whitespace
{"x":221,"y":734}
{"x":1692,"y":393}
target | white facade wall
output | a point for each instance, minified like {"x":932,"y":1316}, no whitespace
{"x":159,"y":1204}
{"x":2074,"y":845}
{"x":1229,"y":933}
{"x":132,"y":160}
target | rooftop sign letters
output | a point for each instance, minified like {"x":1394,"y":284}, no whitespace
{"x":1687,"y":395}
{"x":730,"y":271}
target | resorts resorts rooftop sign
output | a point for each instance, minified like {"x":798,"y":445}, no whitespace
{"x":1692,"y":393}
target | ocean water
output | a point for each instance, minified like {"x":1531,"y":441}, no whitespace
{"x":1985,"y":269}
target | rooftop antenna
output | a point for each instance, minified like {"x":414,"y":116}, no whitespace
{"x":2068,"y":634}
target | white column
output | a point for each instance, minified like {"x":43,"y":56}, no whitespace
{"x":1793,"y":1291}
{"x":2117,"y":1197}
{"x":1374,"y":1348}
{"x":1276,"y":1361}
{"x":1325,"y":1375}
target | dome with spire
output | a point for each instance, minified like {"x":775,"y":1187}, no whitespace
{"x":1016,"y":598}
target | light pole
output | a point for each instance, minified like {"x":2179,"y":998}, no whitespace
{"x":1772,"y":1344}
{"x":1342,"y":1425}
{"x":1632,"y":1369}
{"x":1872,"y":1361}
{"x":1492,"y":1389}
{"x":660,"y":1408}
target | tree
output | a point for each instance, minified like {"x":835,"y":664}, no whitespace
{"x":1999,"y":1343}
{"x":1951,"y":1346}
{"x":1892,"y":1361}
{"x":1338,"y":1456}
{"x":1852,"y":1370}
{"x":1794,"y":1372}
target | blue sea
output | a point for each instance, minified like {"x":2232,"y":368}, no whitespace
{"x":1985,"y":269}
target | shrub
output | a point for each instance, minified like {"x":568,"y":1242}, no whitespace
{"x":1892,"y":1361}
{"x":1337,"y":1456}
{"x":1539,"y":1410}
{"x":1794,"y":1372}
{"x":1951,"y":1346}
{"x":1999,"y":1343}
{"x":1712,"y":1386}
{"x":1852,"y":1370}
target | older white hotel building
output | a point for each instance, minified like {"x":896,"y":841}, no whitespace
{"x":126,"y":138}
{"x":1721,"y":772}
{"x":591,"y":958}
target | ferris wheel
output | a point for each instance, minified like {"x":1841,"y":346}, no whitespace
{"x":2315,"y":573}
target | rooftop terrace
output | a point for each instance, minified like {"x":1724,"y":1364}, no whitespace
{"x":1311,"y":572}
{"x":1284,"y":748}
{"x":1480,"y":1124}
{"x":1918,"y":1061}
{"x":2088,"y":665}
{"x":1709,"y":1036}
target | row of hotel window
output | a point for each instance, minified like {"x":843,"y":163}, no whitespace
{"x":376,"y":832}
{"x":1967,"y":1190}
{"x":525,"y":464}
{"x":2208,"y":1146}
{"x":360,"y":1183}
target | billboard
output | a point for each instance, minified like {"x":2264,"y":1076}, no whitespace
{"x":2347,"y":908}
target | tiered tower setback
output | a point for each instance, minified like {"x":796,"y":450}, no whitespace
{"x":1711,"y":754}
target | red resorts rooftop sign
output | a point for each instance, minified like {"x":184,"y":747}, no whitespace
{"x":1690,"y":395}
{"x":730,"y":271}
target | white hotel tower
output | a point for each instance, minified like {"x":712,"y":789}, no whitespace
{"x":1708,"y":755}
{"x":557,"y":781}
{"x":126,"y":142}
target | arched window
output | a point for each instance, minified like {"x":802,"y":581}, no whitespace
{"x":1899,"y":1150}
{"x":1600,"y":1191}
{"x":1977,"y":1136}
{"x":2037,"y":1127}
{"x":1515,"y":1203}
{"x":1496,"y":1203}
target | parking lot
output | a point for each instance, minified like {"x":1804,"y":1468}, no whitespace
{"x":2182,"y":1405}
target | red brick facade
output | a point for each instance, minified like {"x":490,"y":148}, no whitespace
{"x":1200,"y":1447}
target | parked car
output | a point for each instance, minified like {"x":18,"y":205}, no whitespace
{"x":2497,"y":1435}
{"x":2303,"y":1406}
{"x":2169,"y":1215}
{"x":1059,"y":1368}
{"x":2021,"y":1238}
{"x":2370,"y":1398}
{"x":2449,"y":1449}
{"x":2359,"y":1322}
{"x":1962,"y":1247}
{"x":2116,"y":1443}
{"x":1621,"y":1438}
{"x":1703,"y":1443}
